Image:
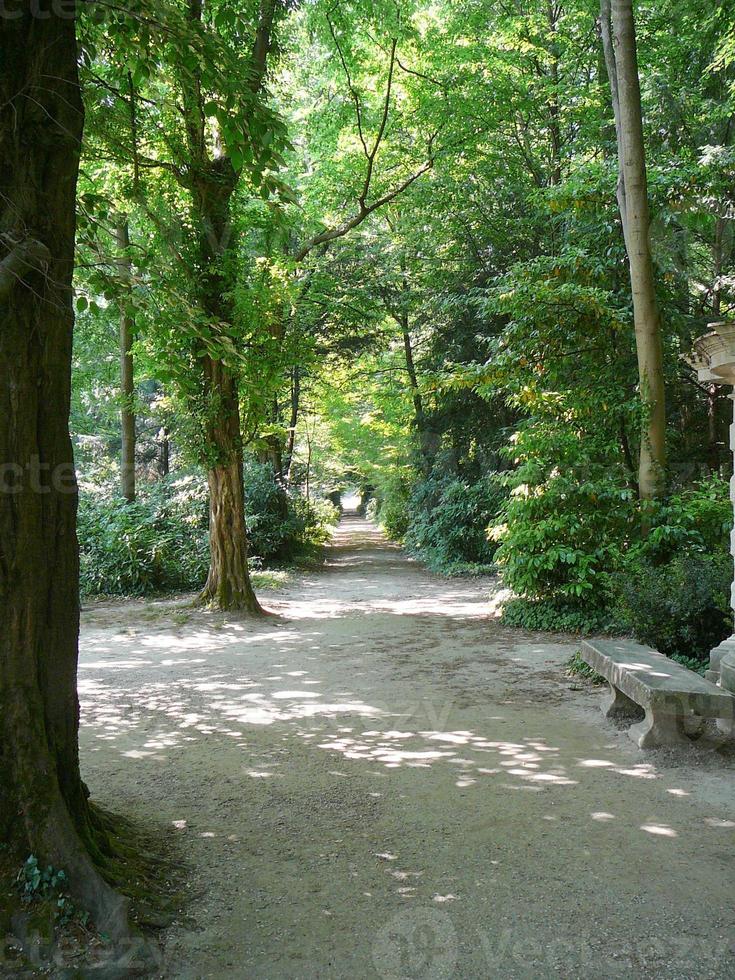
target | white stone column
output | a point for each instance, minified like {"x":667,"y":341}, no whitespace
{"x":714,"y":362}
{"x":732,"y":499}
{"x":727,"y":646}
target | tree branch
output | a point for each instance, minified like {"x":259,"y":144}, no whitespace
{"x":381,"y":128}
{"x":262,"y":44}
{"x":350,"y":85}
{"x":365,"y":210}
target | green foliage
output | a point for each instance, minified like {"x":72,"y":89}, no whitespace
{"x":392,"y":507}
{"x":157,"y":544}
{"x":282,"y":524}
{"x":669,"y":588}
{"x":556,"y":616}
{"x":697,"y":519}
{"x":680,"y":608}
{"x":561,"y":536}
{"x":160,"y":543}
{"x":447,"y":522}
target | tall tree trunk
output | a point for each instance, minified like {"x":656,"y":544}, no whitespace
{"x":553,"y":14}
{"x":228,"y":583}
{"x":618,"y":33}
{"x":424,"y":436}
{"x":212,"y":181}
{"x":293,"y":420}
{"x":43,"y":806}
{"x":127,"y":379}
{"x":165,"y":452}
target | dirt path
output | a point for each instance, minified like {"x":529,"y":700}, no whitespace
{"x":383,"y":782}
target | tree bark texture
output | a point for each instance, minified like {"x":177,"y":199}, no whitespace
{"x":228,"y":583}
{"x":43,"y":806}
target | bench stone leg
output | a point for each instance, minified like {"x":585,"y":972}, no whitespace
{"x":615,"y":704}
{"x":726,"y":726}
{"x":659,"y":729}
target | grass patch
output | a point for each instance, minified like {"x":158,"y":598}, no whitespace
{"x":270,"y":578}
{"x":577,"y":668}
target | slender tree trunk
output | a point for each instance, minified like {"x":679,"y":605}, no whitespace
{"x":618,"y":33}
{"x":165,"y":452}
{"x":273,"y":446}
{"x":43,"y":806}
{"x":553,"y":13}
{"x":293,"y":420}
{"x":127,"y":379}
{"x":424,"y":437}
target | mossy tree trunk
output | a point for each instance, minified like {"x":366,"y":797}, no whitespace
{"x":43,"y":805}
{"x":228,"y":583}
{"x":212,"y":179}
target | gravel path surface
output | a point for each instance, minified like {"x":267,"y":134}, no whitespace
{"x":382,"y":781}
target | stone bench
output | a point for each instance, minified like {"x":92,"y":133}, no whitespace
{"x":671,"y":696}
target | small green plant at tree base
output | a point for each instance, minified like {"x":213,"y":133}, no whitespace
{"x":37,"y":884}
{"x":577,"y":667}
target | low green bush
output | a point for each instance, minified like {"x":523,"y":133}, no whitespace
{"x":697,"y":519}
{"x":448,"y":522}
{"x":557,"y":616}
{"x":391,"y":507}
{"x":160,"y":543}
{"x":574,"y":553}
{"x":157,"y":544}
{"x":681,"y":608}
{"x":560,"y":539}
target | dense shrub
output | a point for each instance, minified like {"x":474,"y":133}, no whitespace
{"x":391,"y":507}
{"x":157,"y":544}
{"x":560,"y":539}
{"x":160,"y":542}
{"x":681,"y":608}
{"x":558,"y":616}
{"x":448,"y":522}
{"x":695,"y":520}
{"x":574,"y":554}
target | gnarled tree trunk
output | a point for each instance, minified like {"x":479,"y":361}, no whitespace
{"x":228,"y":584}
{"x":43,"y":806}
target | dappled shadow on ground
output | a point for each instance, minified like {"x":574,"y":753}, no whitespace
{"x":149,"y":693}
{"x":384,"y":744}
